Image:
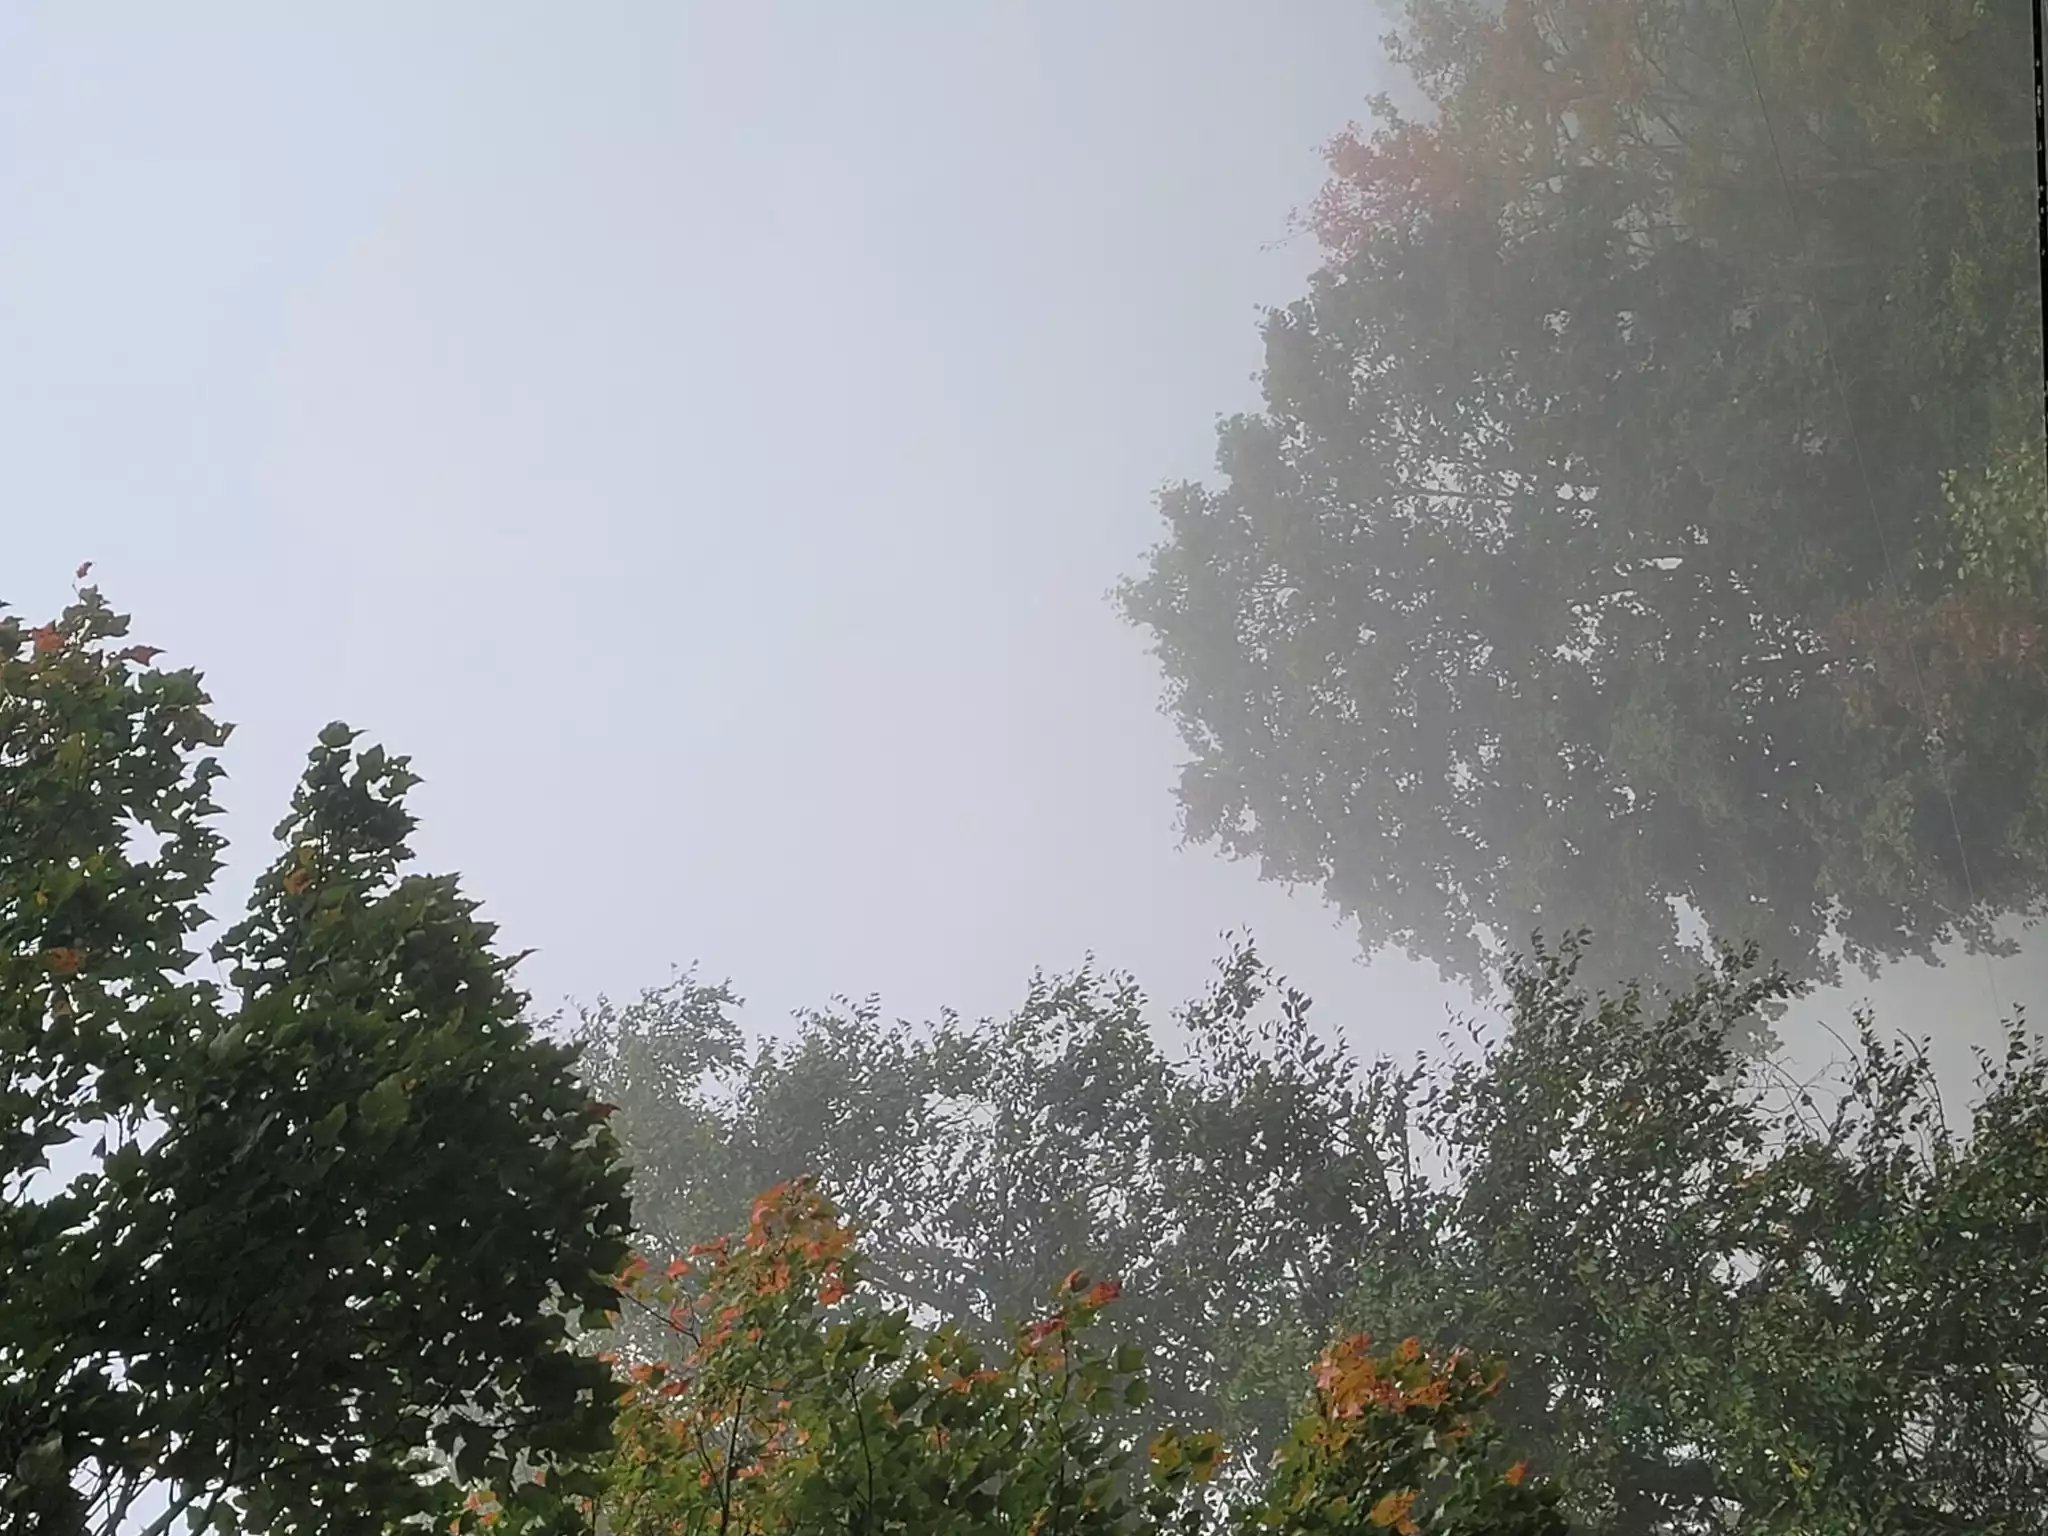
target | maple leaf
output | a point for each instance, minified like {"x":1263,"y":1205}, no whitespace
{"x":63,"y":961}
{"x":142,"y":655}
{"x":48,"y":638}
{"x":81,"y":572}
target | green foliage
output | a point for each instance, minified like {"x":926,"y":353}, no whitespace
{"x":1722,"y":1297}
{"x":1233,"y":1193}
{"x":1401,"y":1441}
{"x":1537,"y":591}
{"x":787,"y":1408}
{"x":340,"y":1209}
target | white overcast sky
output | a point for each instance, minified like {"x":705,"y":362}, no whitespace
{"x":703,"y":436}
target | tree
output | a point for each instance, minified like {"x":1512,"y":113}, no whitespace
{"x":1725,"y":1300}
{"x":1599,"y":469}
{"x":787,"y":1408}
{"x":324,"y":1261}
{"x":1729,"y":1299}
{"x":1233,"y":1193}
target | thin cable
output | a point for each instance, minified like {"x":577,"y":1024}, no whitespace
{"x":2041,"y":208}
{"x":1856,"y":443}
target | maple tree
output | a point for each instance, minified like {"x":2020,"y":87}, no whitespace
{"x":1675,"y":370}
{"x":785,"y":1407}
{"x":342,"y":1205}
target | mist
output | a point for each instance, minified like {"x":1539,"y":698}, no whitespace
{"x":710,"y":443}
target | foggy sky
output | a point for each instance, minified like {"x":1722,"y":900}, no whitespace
{"x":704,"y":437}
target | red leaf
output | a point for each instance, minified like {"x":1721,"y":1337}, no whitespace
{"x":80,"y":573}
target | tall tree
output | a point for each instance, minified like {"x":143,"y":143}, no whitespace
{"x":1725,"y":1300}
{"x":341,"y":1211}
{"x":1589,"y":560}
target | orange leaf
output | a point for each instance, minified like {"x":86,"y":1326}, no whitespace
{"x":48,"y":638}
{"x":142,"y":655}
{"x":1075,"y":1281}
{"x":1392,"y":1510}
{"x":64,"y":962}
{"x":1103,"y":1293}
{"x":1514,"y":1475}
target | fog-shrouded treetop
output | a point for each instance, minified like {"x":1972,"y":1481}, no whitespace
{"x":1642,"y":526}
{"x":1724,"y":1300}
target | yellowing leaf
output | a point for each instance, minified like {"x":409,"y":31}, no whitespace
{"x":1392,"y":1511}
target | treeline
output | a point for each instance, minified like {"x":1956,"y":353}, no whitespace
{"x":1722,"y":1300}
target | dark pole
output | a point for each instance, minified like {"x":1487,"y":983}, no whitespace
{"x":2041,"y":206}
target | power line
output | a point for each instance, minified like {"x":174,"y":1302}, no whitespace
{"x":2041,"y":209}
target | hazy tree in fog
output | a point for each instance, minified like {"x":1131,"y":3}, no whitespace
{"x":1231,"y":1192}
{"x":343,"y":1209}
{"x":1721,"y":1297}
{"x":1620,"y":543}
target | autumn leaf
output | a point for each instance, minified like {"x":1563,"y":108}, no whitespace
{"x":85,"y":567}
{"x":63,"y":961}
{"x":296,"y":882}
{"x":1514,"y":1475}
{"x":1103,"y":1293}
{"x":142,"y":655}
{"x":48,"y":638}
{"x":1392,"y":1511}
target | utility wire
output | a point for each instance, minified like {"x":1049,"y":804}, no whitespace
{"x":2041,"y":208}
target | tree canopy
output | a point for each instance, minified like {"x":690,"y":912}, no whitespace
{"x":1639,"y":525}
{"x":343,"y":1206}
{"x":785,"y":1406}
{"x":1721,"y":1297}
